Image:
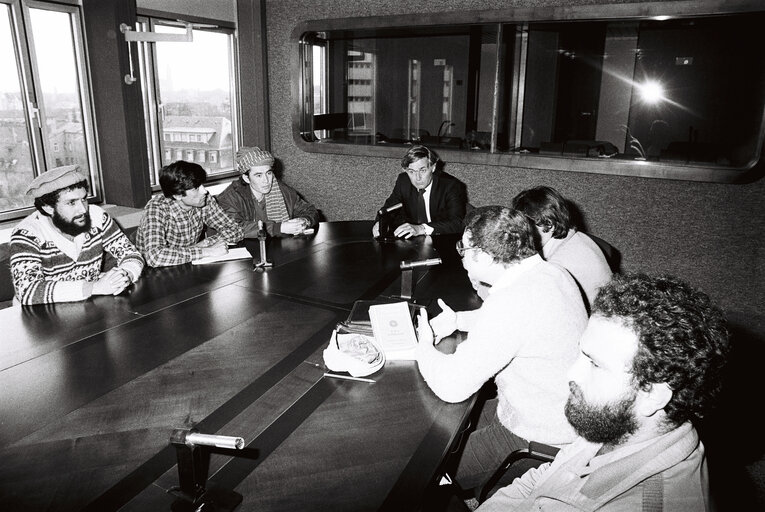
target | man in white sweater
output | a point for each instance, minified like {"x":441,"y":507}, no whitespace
{"x":561,"y":242}
{"x":525,"y":335}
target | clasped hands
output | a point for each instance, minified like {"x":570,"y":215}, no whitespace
{"x":112,"y":282}
{"x":405,"y":230}
{"x":433,"y":331}
{"x":294,"y":226}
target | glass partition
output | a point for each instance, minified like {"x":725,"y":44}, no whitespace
{"x":678,"y":96}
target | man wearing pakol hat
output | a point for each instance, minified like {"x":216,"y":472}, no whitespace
{"x":57,"y":252}
{"x":256,"y":195}
{"x":173,"y":224}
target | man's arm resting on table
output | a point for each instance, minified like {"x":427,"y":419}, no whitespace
{"x":455,"y":377}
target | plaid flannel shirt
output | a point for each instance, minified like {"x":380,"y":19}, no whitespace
{"x":168,"y":233}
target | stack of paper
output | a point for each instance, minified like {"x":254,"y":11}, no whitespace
{"x":238,"y":253}
{"x":393,"y":330}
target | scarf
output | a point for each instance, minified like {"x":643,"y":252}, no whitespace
{"x":276,"y":209}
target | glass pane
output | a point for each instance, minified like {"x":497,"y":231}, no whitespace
{"x":16,"y":169}
{"x":196,"y":97}
{"x":59,"y":84}
{"x":685,"y":91}
{"x":319,"y":92}
{"x":405,"y":86}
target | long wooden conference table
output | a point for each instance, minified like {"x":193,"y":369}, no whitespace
{"x":90,"y":392}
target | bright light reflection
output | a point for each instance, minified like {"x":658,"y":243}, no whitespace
{"x":651,"y":92}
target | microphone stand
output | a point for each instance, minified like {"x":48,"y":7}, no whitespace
{"x":386,"y":225}
{"x":407,"y":281}
{"x":263,"y":263}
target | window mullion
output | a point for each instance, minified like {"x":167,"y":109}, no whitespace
{"x":25,"y":58}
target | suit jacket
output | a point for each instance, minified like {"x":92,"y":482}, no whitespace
{"x":448,"y":199}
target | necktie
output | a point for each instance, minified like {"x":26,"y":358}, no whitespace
{"x":422,"y":216}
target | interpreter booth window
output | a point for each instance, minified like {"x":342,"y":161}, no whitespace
{"x":47,"y":118}
{"x":189,"y":97}
{"x":673,"y":96}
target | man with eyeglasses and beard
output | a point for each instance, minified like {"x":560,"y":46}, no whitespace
{"x":56,"y":252}
{"x":524,"y":336}
{"x":650,"y":364}
{"x":432,"y":201}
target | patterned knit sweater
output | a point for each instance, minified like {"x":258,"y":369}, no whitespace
{"x":47,"y":267}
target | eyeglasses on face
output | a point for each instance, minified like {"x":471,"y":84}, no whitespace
{"x":461,"y":249}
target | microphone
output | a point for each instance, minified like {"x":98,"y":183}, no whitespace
{"x":192,"y":437}
{"x":389,"y":209}
{"x":406,"y":265}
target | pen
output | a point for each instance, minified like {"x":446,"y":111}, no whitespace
{"x":336,"y":376}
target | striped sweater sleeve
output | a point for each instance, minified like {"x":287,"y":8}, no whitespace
{"x":119,"y":245}
{"x":29,"y":281}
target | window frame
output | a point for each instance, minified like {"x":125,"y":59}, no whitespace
{"x":635,"y":168}
{"x":30,"y":89}
{"x":147,"y":57}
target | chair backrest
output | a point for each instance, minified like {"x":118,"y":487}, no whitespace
{"x":537,"y":452}
{"x":6,"y":284}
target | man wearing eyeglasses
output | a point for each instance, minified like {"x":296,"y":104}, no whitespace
{"x":525,"y":335}
{"x":433,"y":201}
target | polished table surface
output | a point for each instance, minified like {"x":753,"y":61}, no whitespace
{"x":90,"y":392}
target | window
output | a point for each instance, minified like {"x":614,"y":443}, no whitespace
{"x":44,"y":99}
{"x":191,"y":89}
{"x":671,"y":94}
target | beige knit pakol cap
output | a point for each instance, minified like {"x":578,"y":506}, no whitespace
{"x":55,"y":179}
{"x":251,"y":157}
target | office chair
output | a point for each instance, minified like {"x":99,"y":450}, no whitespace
{"x":538,"y":452}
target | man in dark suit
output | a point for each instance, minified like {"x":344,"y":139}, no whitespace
{"x":433,"y":202}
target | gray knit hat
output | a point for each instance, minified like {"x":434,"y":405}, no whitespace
{"x":55,"y":179}
{"x":250,"y":157}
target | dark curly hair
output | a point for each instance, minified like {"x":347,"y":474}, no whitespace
{"x":683,"y":338}
{"x":51,"y":198}
{"x":546,"y":208}
{"x":505,"y":234}
{"x":178,"y":177}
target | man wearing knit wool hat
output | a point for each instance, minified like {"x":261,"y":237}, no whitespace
{"x":57,"y":251}
{"x":256,"y":195}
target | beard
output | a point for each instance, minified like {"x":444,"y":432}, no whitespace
{"x":70,"y":227}
{"x":607,"y":424}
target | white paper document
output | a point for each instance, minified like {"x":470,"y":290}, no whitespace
{"x":393,"y":330}
{"x":238,"y":253}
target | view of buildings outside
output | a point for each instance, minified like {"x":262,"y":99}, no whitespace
{"x":15,"y":157}
{"x":58,"y":94}
{"x":194,"y":83}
